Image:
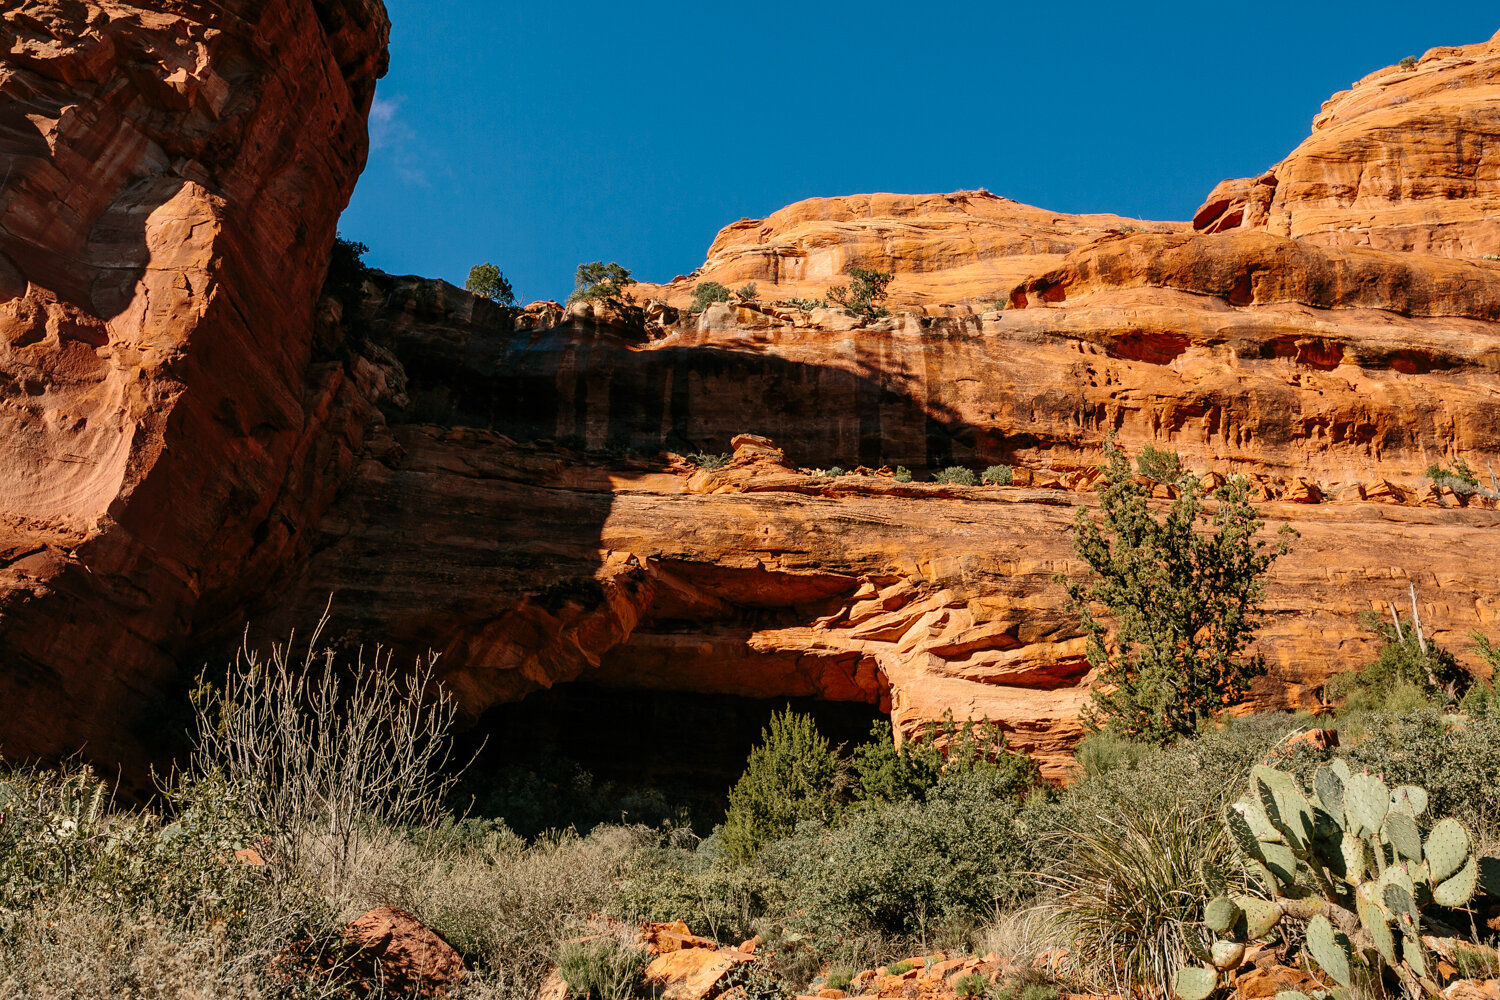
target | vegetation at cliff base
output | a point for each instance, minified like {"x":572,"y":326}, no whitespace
{"x":1170,"y":604}
{"x":486,"y":281}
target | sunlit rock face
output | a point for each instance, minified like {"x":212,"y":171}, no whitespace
{"x":191,"y":439}
{"x":172,"y":178}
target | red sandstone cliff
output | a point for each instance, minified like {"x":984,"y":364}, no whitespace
{"x":183,"y":445}
{"x":172,"y":178}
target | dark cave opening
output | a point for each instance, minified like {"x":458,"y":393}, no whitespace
{"x":581,"y":754}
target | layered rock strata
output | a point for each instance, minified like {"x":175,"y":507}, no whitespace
{"x":172,"y":178}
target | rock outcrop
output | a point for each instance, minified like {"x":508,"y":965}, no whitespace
{"x":173,"y":177}
{"x":1405,"y":160}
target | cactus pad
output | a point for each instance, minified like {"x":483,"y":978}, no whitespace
{"x":1372,"y":918}
{"x":1366,"y":801}
{"x":1241,"y":832}
{"x":1411,"y":951}
{"x":1285,"y":806}
{"x":1458,"y":890}
{"x":1329,"y":949}
{"x":1261,"y":917}
{"x":1447,"y":849}
{"x":1400,"y":831}
{"x":1355,"y":854}
{"x":1329,"y":788}
{"x":1402,"y":905}
{"x":1282,"y":863}
{"x":1221,"y":914}
{"x":1409,"y":799}
{"x":1194,"y":983}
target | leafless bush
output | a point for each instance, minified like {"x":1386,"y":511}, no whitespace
{"x":327,"y":750}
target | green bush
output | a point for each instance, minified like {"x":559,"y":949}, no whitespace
{"x":1460,"y":479}
{"x":903,"y":474}
{"x":864,"y":293}
{"x":606,"y":967}
{"x":705,"y":460}
{"x":1184,"y":593}
{"x":901,"y":968}
{"x":486,"y":281}
{"x":1408,"y":671}
{"x":791,"y":776}
{"x":956,"y":475}
{"x":928,"y":868}
{"x":835,"y":471}
{"x":706,"y":293}
{"x":747,"y":291}
{"x":347,"y":271}
{"x":971,"y":985}
{"x":598,"y":281}
{"x":999,"y":475}
{"x":1409,"y":63}
{"x":806,"y":305}
{"x":1159,"y":465}
{"x":1102,"y":752}
{"x":948,"y":749}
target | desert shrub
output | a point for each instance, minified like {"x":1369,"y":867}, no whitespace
{"x":903,"y":474}
{"x":710,"y":461}
{"x":706,"y":293}
{"x":347,"y":271}
{"x":715,"y":898}
{"x":1460,"y":478}
{"x":864,"y":293}
{"x":747,"y":291}
{"x":1099,"y":753}
{"x":325,"y":749}
{"x":835,"y":471}
{"x":597,"y":281}
{"x":791,"y":776}
{"x":956,"y":475}
{"x":934,"y":867}
{"x":1184,"y":592}
{"x":1409,"y":63}
{"x":999,"y":475}
{"x":486,"y":281}
{"x":900,"y":968}
{"x":603,"y":967}
{"x":805,"y":305}
{"x":1128,"y":887}
{"x":973,"y":984}
{"x":883,"y":772}
{"x":1409,"y":670}
{"x":1159,"y":465}
{"x":1025,"y":984}
{"x":1456,"y":759}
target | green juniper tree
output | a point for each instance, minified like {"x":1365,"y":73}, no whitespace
{"x":486,"y":281}
{"x":864,"y":293}
{"x":1171,"y":603}
{"x":600,"y":281}
{"x":792,"y":776}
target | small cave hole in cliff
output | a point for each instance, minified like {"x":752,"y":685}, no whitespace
{"x":583,"y":754}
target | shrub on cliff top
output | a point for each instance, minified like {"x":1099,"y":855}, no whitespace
{"x":1461,"y":478}
{"x":864,"y":293}
{"x":486,"y":281}
{"x":1183,"y":593}
{"x":706,"y":293}
{"x":999,"y":475}
{"x":598,"y":281}
{"x":956,"y":475}
{"x":791,"y":776}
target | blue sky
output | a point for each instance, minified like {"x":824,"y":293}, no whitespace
{"x":539,"y":135}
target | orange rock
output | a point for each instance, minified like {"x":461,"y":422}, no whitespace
{"x":662,"y":938}
{"x":1267,"y":982}
{"x":393,"y":948}
{"x":694,"y":973}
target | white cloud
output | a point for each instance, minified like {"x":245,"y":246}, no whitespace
{"x":395,"y":141}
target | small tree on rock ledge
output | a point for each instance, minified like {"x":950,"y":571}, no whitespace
{"x":1183,"y":594}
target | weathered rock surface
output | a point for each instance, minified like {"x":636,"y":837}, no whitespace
{"x":173,"y":177}
{"x":1405,"y":160}
{"x":193,"y":443}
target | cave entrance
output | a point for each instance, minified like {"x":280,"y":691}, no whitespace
{"x":582,"y":754}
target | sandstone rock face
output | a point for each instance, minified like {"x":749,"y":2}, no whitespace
{"x":952,"y":253}
{"x":196,"y":442}
{"x":1405,"y":160}
{"x":173,"y":177}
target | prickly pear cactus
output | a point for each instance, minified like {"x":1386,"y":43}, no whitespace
{"x":1351,"y":860}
